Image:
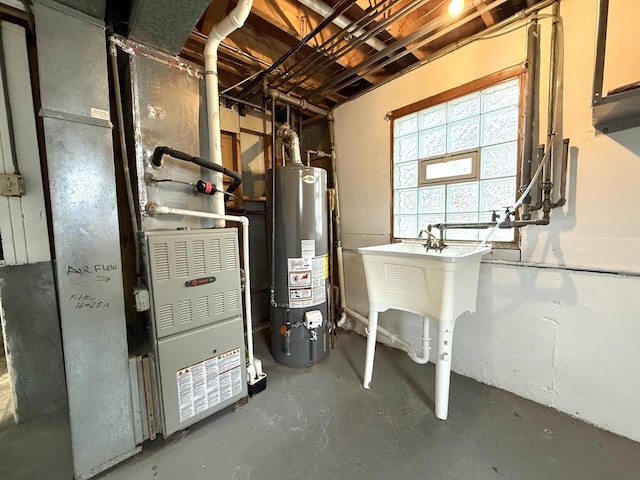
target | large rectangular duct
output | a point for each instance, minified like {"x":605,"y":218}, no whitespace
{"x":72,"y":65}
{"x":164,"y":24}
{"x":93,"y":8}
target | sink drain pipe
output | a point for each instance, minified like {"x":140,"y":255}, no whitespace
{"x":395,"y":339}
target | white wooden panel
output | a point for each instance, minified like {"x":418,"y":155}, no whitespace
{"x":8,"y":249}
{"x":6,"y":166}
{"x":33,"y":204}
{"x":23,"y":222}
{"x":19,"y":237}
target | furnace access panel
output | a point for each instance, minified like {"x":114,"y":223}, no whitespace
{"x":194,"y":281}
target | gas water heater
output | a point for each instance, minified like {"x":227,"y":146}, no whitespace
{"x":299,"y":308}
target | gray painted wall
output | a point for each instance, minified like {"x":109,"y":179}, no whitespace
{"x":32,"y":328}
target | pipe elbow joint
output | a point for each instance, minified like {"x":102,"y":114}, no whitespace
{"x":236,"y":21}
{"x":286,"y":133}
{"x":151,"y":208}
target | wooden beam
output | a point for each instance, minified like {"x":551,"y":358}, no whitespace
{"x":296,"y":21}
{"x":242,"y":65}
{"x":487,"y":17}
{"x":431,"y":11}
{"x":273,"y":28}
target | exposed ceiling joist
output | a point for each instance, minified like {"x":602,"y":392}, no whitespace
{"x":335,"y":63}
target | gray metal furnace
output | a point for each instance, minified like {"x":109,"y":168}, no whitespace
{"x":299,"y":311}
{"x":196,"y":322}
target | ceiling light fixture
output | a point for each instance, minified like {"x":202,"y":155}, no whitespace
{"x":456,"y":7}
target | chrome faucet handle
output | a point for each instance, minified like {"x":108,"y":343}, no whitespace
{"x":431,"y":242}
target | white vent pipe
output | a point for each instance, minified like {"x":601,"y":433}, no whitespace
{"x":219,"y":32}
{"x":323,"y":9}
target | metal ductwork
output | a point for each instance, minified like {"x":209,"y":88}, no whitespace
{"x":163,"y":24}
{"x":93,"y":8}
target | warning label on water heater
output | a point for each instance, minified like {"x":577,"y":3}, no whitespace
{"x":306,"y":281}
{"x":208,"y":383}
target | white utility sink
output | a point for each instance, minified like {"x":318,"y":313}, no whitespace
{"x":438,"y":285}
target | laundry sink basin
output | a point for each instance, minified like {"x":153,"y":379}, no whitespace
{"x":438,"y":285}
{"x":406,"y":276}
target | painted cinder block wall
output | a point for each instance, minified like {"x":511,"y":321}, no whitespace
{"x":566,"y":335}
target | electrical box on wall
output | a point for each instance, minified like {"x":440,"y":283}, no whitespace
{"x":11,"y":185}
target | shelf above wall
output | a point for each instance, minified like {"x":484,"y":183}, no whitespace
{"x":620,"y":110}
{"x":617,"y":111}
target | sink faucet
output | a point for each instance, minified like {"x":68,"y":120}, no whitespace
{"x":432,"y":242}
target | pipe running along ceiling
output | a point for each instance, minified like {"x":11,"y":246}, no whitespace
{"x":326,"y":51}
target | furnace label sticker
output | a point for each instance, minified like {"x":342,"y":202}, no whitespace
{"x":208,"y":383}
{"x":306,"y":281}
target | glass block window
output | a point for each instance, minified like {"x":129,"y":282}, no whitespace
{"x":457,"y":161}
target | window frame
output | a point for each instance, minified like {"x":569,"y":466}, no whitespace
{"x":516,"y":71}
{"x":474,"y":175}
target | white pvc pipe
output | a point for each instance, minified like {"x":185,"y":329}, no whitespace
{"x":395,"y":339}
{"x":219,"y":32}
{"x":343,"y":292}
{"x":160,"y":210}
{"x":323,"y":9}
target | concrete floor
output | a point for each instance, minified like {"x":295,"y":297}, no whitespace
{"x":319,"y":423}
{"x":37,"y":450}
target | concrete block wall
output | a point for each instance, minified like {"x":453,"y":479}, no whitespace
{"x":549,"y":326}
